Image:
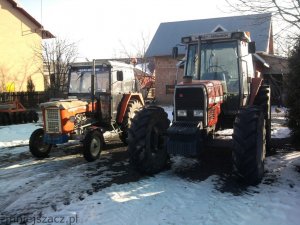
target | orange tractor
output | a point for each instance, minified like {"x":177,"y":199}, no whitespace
{"x":220,"y":90}
{"x":102,"y":96}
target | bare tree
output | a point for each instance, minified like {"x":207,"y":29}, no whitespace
{"x":57,"y":54}
{"x":287,"y":10}
{"x":3,"y":79}
{"x":30,"y":85}
{"x":145,"y":68}
{"x":137,"y":50}
{"x":286,"y":13}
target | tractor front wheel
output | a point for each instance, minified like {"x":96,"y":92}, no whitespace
{"x":92,"y":145}
{"x":147,"y":140}
{"x":132,"y":108}
{"x":249,"y":144}
{"x":37,"y":146}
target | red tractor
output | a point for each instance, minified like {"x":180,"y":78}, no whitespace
{"x":219,"y":91}
{"x":102,"y":96}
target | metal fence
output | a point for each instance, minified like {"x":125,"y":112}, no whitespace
{"x":28,"y":99}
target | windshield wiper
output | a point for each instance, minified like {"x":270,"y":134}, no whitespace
{"x":79,"y":76}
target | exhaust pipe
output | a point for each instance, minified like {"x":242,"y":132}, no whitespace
{"x":93,"y":84}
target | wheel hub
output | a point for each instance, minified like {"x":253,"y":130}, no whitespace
{"x":95,"y":146}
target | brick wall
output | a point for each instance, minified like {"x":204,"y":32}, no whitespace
{"x":165,"y":72}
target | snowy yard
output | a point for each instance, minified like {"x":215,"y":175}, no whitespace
{"x":65,"y":189}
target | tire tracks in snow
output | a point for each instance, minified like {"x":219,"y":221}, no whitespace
{"x":33,"y":185}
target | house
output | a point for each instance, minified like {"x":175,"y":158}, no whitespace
{"x":20,"y":48}
{"x":169,"y":35}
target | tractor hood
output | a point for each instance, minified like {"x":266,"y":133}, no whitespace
{"x":65,"y":104}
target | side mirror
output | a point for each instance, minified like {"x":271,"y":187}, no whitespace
{"x":180,"y":64}
{"x":175,"y":52}
{"x":251,"y":47}
{"x":119,"y":75}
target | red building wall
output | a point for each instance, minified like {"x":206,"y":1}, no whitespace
{"x":165,"y":72}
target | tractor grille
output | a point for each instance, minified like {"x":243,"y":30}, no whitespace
{"x":53,"y":124}
{"x":190,"y":99}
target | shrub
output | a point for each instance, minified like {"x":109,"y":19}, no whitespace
{"x":30,"y":85}
{"x":293,"y":93}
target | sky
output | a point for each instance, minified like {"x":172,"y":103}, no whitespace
{"x":107,"y":29}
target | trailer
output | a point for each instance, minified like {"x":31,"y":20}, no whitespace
{"x":13,"y":112}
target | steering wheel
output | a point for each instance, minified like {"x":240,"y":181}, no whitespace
{"x":221,"y":69}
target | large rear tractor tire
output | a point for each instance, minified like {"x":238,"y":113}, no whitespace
{"x":249,"y":144}
{"x":147,"y":140}
{"x":92,"y":145}
{"x":133,"y":107}
{"x":263,"y":99}
{"x":37,"y":146}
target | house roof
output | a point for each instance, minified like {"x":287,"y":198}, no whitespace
{"x":45,"y":34}
{"x":169,"y":34}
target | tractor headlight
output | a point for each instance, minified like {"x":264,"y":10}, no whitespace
{"x":182,"y":113}
{"x":198,"y":113}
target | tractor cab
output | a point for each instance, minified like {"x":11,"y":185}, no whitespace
{"x":223,"y":56}
{"x":111,"y":80}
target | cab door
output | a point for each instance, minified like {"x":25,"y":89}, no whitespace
{"x":117,"y":90}
{"x":245,"y":85}
{"x":247,"y":71}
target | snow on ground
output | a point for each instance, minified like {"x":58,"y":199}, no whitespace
{"x":15,"y":135}
{"x":168,"y":199}
{"x":107,"y":191}
{"x":169,"y":111}
{"x":278,"y":120}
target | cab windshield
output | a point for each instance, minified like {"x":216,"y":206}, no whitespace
{"x":80,"y":80}
{"x":219,"y":61}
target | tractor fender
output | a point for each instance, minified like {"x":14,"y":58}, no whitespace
{"x":255,"y":85}
{"x":124,"y":103}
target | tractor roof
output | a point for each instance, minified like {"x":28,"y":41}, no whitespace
{"x":104,"y":62}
